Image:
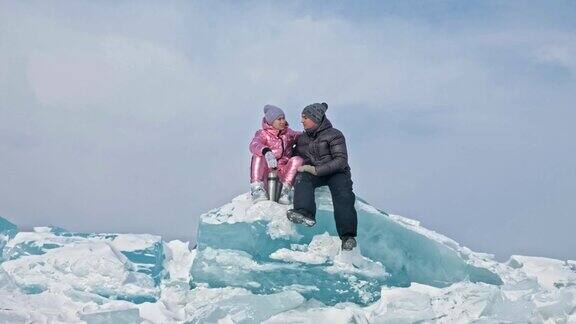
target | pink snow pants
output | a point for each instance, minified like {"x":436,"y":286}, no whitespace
{"x":287,"y":169}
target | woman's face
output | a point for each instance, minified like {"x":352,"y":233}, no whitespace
{"x":307,"y":123}
{"x":279,"y":123}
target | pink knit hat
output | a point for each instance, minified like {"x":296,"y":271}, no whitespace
{"x":271,"y":113}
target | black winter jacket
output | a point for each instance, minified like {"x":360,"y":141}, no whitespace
{"x":323,"y":147}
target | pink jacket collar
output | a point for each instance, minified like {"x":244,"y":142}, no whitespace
{"x":270,"y":129}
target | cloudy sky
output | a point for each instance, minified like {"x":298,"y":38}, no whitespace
{"x":135,"y":116}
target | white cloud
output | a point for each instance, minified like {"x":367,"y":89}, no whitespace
{"x":560,"y":54}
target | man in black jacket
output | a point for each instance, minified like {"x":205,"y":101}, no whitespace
{"x":323,"y":149}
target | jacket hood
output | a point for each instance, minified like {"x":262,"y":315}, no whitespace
{"x":270,"y":129}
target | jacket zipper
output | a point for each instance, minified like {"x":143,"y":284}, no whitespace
{"x":281,"y":141}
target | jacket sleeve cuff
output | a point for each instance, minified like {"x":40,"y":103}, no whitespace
{"x":321,"y":171}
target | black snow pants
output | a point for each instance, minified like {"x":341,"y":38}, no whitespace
{"x":343,"y":199}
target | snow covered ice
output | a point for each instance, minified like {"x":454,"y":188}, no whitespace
{"x":257,"y":248}
{"x":252,"y":265}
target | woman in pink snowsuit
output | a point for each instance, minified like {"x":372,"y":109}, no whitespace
{"x":271,"y":147}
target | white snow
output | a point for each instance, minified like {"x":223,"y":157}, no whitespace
{"x":84,"y":266}
{"x":550,"y":273}
{"x":121,"y":242}
{"x":39,"y":238}
{"x":178,"y":260}
{"x":134,"y":242}
{"x":242,"y":210}
{"x":321,"y":249}
{"x":326,"y":249}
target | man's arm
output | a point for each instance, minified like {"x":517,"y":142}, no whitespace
{"x":339,"y":155}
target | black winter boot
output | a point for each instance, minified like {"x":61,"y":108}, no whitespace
{"x":348,"y":243}
{"x":299,"y":218}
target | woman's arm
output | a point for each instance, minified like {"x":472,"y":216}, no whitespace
{"x":258,"y":143}
{"x":294,"y":134}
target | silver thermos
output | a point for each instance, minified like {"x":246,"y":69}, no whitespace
{"x":273,"y":187}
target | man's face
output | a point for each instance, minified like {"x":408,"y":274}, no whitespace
{"x":307,"y":123}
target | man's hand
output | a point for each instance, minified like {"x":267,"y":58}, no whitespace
{"x":271,"y":160}
{"x":307,"y":168}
